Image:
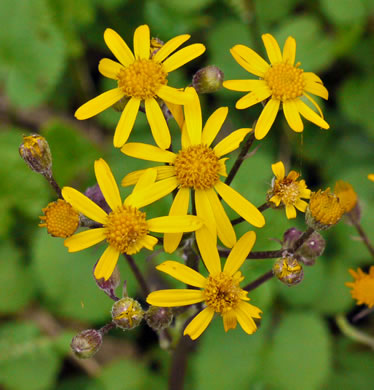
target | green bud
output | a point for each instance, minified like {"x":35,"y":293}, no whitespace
{"x":36,"y":153}
{"x":288,"y":270}
{"x":208,"y":79}
{"x":127,"y":313}
{"x":86,"y":343}
{"x":158,"y":318}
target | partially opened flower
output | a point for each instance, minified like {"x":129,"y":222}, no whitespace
{"x":220,"y":291}
{"x":346,"y":194}
{"x":197,"y":167}
{"x":282,"y":84}
{"x":362,"y":288}
{"x":142,"y":76}
{"x":288,"y":191}
{"x":125,"y":228}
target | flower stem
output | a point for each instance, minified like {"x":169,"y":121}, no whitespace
{"x":256,"y":255}
{"x":51,"y":180}
{"x":138,"y":275}
{"x":257,"y":282}
{"x":106,"y":328}
{"x":353,"y":333}
{"x":362,"y":234}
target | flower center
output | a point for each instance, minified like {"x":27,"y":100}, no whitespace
{"x":285,"y":81}
{"x":222,"y":292}
{"x":125,"y":226}
{"x":60,"y":219}
{"x":288,"y":190}
{"x":142,"y":79}
{"x":197,"y":167}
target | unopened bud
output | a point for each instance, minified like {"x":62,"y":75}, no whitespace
{"x":36,"y":153}
{"x":290,"y":236}
{"x":158,"y":318}
{"x":109,"y":285}
{"x":127,"y":313}
{"x":208,"y":79}
{"x":312,"y":248}
{"x":94,"y":193}
{"x":288,"y":270}
{"x":85,"y":344}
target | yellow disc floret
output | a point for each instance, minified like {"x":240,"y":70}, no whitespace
{"x":125,"y":227}
{"x":222,"y":292}
{"x":142,"y":79}
{"x":346,"y":194}
{"x":285,"y":81}
{"x":363,"y":286}
{"x":197,"y":167}
{"x":60,"y":219}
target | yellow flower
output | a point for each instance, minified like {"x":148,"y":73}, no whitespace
{"x":282,"y":81}
{"x":288,"y":191}
{"x":125,"y":228}
{"x":198,"y":167}
{"x":371,"y":176}
{"x":346,"y":194}
{"x":363,"y":286}
{"x":220,"y":291}
{"x":141,"y":76}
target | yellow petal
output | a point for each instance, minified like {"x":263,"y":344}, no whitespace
{"x":278,"y":170}
{"x":225,"y":231}
{"x":239,"y":253}
{"x":292,"y":115}
{"x":301,"y":205}
{"x":149,"y":242}
{"x":314,"y":103}
{"x":107,"y":184}
{"x":197,"y":326}
{"x":272,"y":49}
{"x":266,"y":118}
{"x":110,"y":68}
{"x":157,"y":122}
{"x":243,"y":85}
{"x":229,"y":320}
{"x":316,"y":89}
{"x":170,"y":46}
{"x":118,"y":47}
{"x":142,"y":42}
{"x":99,"y":104}
{"x":174,"y":224}
{"x":231,"y":142}
{"x":250,"y":310}
{"x":310,"y":76}
{"x":177,"y":112}
{"x":163,"y":172}
{"x":245,"y":321}
{"x":261,"y":93}
{"x":289,"y":51}
{"x":311,"y":116}
{"x":249,"y":60}
{"x":147,"y":152}
{"x":173,"y":95}
{"x":179,"y":207}
{"x":241,"y":205}
{"x":208,"y":250}
{"x":106,"y":264}
{"x":182,"y":273}
{"x":205,"y":212}
{"x":175,"y":297}
{"x":183,"y":56}
{"x":84,"y":205}
{"x":213,"y":125}
{"x":126,"y":122}
{"x":192,"y":112}
{"x":371,"y":176}
{"x":290,"y":211}
{"x":85,"y":239}
{"x":147,"y":179}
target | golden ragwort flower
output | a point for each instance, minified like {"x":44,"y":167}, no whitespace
{"x":288,"y":191}
{"x":282,"y":81}
{"x":363,"y":286}
{"x":142,"y":76}
{"x":346,"y":194}
{"x":198,"y":167}
{"x":125,"y":228}
{"x":220,"y":291}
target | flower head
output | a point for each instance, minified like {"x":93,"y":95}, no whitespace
{"x":198,"y":167}
{"x":220,"y":291}
{"x":36,"y":153}
{"x":125,"y":228}
{"x":142,"y":76}
{"x":282,"y":82}
{"x":371,"y":176}
{"x":363,"y":286}
{"x":346,"y":194}
{"x":286,"y":190}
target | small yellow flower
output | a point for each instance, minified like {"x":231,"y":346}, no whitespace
{"x":198,"y":167}
{"x":371,"y":176}
{"x":346,"y":194}
{"x":363,"y":286}
{"x":282,"y":81}
{"x":220,"y":291}
{"x":141,"y":76}
{"x":60,"y":219}
{"x":125,"y":228}
{"x":288,"y":191}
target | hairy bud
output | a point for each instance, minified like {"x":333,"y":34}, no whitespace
{"x":158,"y":318}
{"x":36,"y":153}
{"x":127,"y":313}
{"x":86,"y":343}
{"x":288,"y":270}
{"x":208,"y":79}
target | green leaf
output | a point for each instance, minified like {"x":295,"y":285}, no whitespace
{"x":273,"y":10}
{"x":299,"y":356}
{"x":185,"y":7}
{"x":344,"y":11}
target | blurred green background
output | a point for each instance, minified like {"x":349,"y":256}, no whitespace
{"x":49,"y":52}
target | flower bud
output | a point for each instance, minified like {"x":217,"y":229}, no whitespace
{"x":290,"y":236}
{"x":36,"y":153}
{"x":288,"y":270}
{"x":109,"y":285}
{"x":86,"y":343}
{"x":127,"y":313}
{"x":208,"y":79}
{"x":312,"y":248}
{"x":158,"y":318}
{"x":95,"y":194}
